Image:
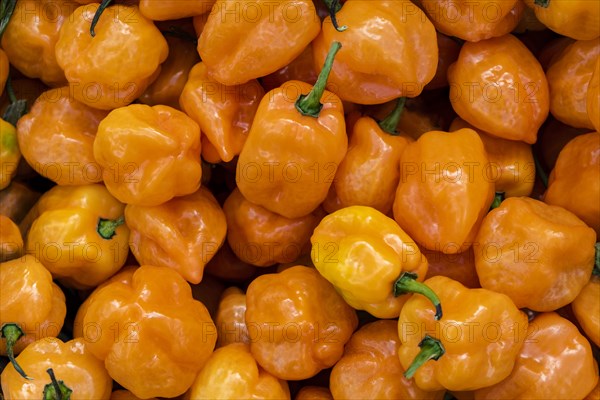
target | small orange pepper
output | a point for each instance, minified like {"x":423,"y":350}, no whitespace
{"x":586,"y":308}
{"x":230,"y":318}
{"x":11,"y":241}
{"x":10,"y":153}
{"x":577,"y":19}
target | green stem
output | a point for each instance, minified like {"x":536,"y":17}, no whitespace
{"x":542,"y":3}
{"x":56,"y":390}
{"x":6,"y":11}
{"x":99,"y":11}
{"x":12,"y":332}
{"x":407,"y":284}
{"x":540,"y":170}
{"x":310,"y":104}
{"x":431,"y":349}
{"x":334,"y":6}
{"x":596,"y":270}
{"x":390,"y":122}
{"x":107,"y":227}
{"x":498,"y":199}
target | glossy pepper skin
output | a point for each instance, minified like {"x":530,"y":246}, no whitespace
{"x":586,"y":308}
{"x":232,"y":373}
{"x":30,"y":299}
{"x":31,"y":36}
{"x":370,"y":172}
{"x":163,"y":10}
{"x":474,"y":357}
{"x":574,"y":183}
{"x":556,"y":361}
{"x":160,"y":338}
{"x":149,"y":154}
{"x":167,"y":87}
{"x":110,"y":79}
{"x":224,"y":113}
{"x":498,"y":86}
{"x":297,"y":322}
{"x":57,"y":137}
{"x":593,"y":97}
{"x":11,"y":241}
{"x":388,"y":51}
{"x":232,"y":42}
{"x":261,"y":237}
{"x":577,"y":19}
{"x":520,"y":251}
{"x":10,"y":153}
{"x":68,"y":237}
{"x":230,"y":318}
{"x":444,"y":192}
{"x":474,"y":21}
{"x":511,"y":165}
{"x":370,"y":368}
{"x":72,"y":363}
{"x":183,"y":234}
{"x":362,"y":253}
{"x":289,"y":160}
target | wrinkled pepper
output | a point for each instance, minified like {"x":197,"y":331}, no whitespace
{"x":445,"y":190}
{"x":78,"y":233}
{"x":520,"y":251}
{"x":577,"y":19}
{"x":369,"y":260}
{"x":149,"y":332}
{"x":586,"y":308}
{"x":294,"y":147}
{"x":474,"y":345}
{"x":183,"y":234}
{"x":149,"y":154}
{"x":297,"y":323}
{"x":230,"y":317}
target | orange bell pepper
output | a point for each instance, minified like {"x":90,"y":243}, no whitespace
{"x":130,"y":321}
{"x":297,"y":323}
{"x":444,"y":190}
{"x":544,"y":369}
{"x":574,"y":183}
{"x":183,"y":233}
{"x":577,"y":19}
{"x":370,"y":368}
{"x":382,"y":35}
{"x":57,"y":138}
{"x":520,"y":251}
{"x":224,"y":113}
{"x":232,"y":44}
{"x":294,"y":147}
{"x":498,"y":86}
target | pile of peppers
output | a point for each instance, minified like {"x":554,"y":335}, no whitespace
{"x":299,"y":199}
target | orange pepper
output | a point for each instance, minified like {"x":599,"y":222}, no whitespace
{"x":294,"y":147}
{"x":4,"y":66}
{"x":297,"y":323}
{"x":520,"y":251}
{"x":448,"y":49}
{"x":474,"y":20}
{"x":224,"y":113}
{"x":498,"y":86}
{"x":232,"y":44}
{"x":382,"y":35}
{"x":460,"y":352}
{"x":57,"y":137}
{"x":70,"y":365}
{"x":301,"y":68}
{"x":261,"y":237}
{"x":444,"y":191}
{"x":183,"y":233}
{"x":569,"y":78}
{"x":594,"y":394}
{"x":232,"y":372}
{"x":577,"y":19}
{"x":31,"y":37}
{"x":459,"y":266}
{"x":32,"y":307}
{"x":125,"y":395}
{"x":554,"y":136}
{"x":11,"y":241}
{"x":370,"y":172}
{"x":174,"y":73}
{"x":10,"y":153}
{"x":163,"y":10}
{"x":370,"y":367}
{"x":230,"y":318}
{"x":586,"y":308}
{"x":226,"y":266}
{"x":593,"y":97}
{"x":149,"y":154}
{"x":114,"y":78}
{"x":152,"y":336}
{"x":511,"y":162}
{"x":574,"y":183}
{"x":545,"y":369}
